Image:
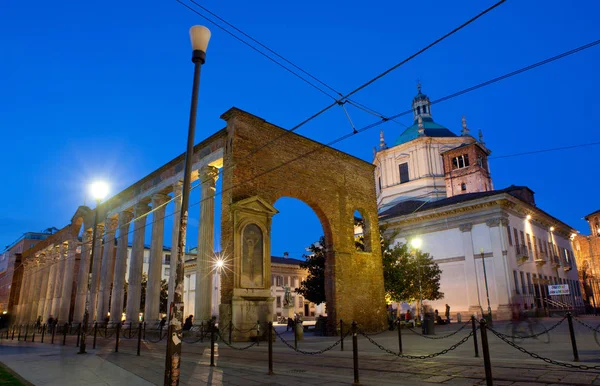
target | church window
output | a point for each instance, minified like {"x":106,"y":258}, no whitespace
{"x":418,"y":110}
{"x":463,"y":187}
{"x":424,"y":109}
{"x":462,"y":161}
{"x":379,"y":179}
{"x":403,"y":172}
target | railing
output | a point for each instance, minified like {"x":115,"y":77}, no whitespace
{"x":522,"y":253}
{"x":555,"y":261}
{"x":541,"y":258}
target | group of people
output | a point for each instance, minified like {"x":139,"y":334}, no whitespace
{"x":50,"y":322}
{"x":409,"y":317}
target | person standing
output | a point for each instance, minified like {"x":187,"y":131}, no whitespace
{"x":447,"y":313}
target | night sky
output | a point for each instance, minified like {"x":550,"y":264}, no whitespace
{"x":94,"y":90}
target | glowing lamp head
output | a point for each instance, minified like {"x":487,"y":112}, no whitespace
{"x":551,"y":229}
{"x":200,"y":36}
{"x":528,"y":217}
{"x":416,"y":243}
{"x":99,"y":190}
{"x":219,"y":263}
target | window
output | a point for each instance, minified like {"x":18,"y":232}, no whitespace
{"x":529,"y":243}
{"x":535,"y":250}
{"x":529,"y":285}
{"x":523,"y":285}
{"x":516,"y":277}
{"x":168,"y":258}
{"x":278,"y":301}
{"x":509,"y":235}
{"x":167,"y":271}
{"x":516,"y":236}
{"x":403,"y":172}
{"x":418,"y":109}
{"x":379,"y":183}
{"x":279,"y":281}
{"x":300,"y":302}
{"x":463,"y":187}
{"x":462,"y":161}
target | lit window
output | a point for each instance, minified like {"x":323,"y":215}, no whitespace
{"x":462,"y":161}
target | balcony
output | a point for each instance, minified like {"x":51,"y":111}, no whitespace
{"x":522,"y":253}
{"x":567,"y":266}
{"x":555,"y":261}
{"x":541,"y":258}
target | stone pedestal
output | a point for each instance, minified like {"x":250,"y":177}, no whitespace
{"x":248,"y":307}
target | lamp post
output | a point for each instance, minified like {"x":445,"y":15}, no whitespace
{"x":99,"y":191}
{"x":199,"y":36}
{"x":487,"y":293}
{"x":416,"y":244}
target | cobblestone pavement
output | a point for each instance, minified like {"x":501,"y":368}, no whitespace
{"x":376,"y":367}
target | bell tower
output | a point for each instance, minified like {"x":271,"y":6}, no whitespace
{"x":466,"y":168}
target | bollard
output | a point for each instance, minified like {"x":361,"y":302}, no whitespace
{"x":19,"y":336}
{"x":399,"y":336}
{"x":26,"y":331}
{"x":270,"y":340}
{"x":118,"y":334}
{"x":486,"y":353}
{"x":71,"y":328}
{"x":212,"y":344}
{"x":53,"y":332}
{"x":105,"y":330}
{"x":43,"y":333}
{"x":33,"y":335}
{"x":475,"y":336}
{"x":257,"y":333}
{"x":295,"y":337}
{"x":341,"y":335}
{"x":95,"y":334}
{"x":202,"y":332}
{"x":572,"y":333}
{"x":230,"y":330}
{"x":355,"y":352}
{"x":160,"y":332}
{"x":13,"y":333}
{"x":65,"y":334}
{"x":139,"y":339}
{"x":144,"y":329}
{"x":130,"y":328}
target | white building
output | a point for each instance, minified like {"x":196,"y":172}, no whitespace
{"x":437,"y":186}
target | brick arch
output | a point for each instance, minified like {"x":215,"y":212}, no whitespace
{"x":332,"y":183}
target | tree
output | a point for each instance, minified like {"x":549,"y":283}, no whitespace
{"x":164,"y":294}
{"x":313,"y":288}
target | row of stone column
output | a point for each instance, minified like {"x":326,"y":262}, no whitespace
{"x":48,"y":280}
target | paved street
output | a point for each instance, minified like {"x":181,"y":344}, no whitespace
{"x":45,"y":364}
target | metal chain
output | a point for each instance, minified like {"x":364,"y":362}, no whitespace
{"x":440,"y":337}
{"x":244,"y":331}
{"x":536,"y":356}
{"x":191,"y":341}
{"x":311,"y":352}
{"x":428,"y":356}
{"x":535,"y":335}
{"x":151,"y":332}
{"x":587,"y":325}
{"x":236,"y":348}
{"x":132,"y":333}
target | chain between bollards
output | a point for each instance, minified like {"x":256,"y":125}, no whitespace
{"x":398,"y":324}
{"x":118,"y":334}
{"x":270,"y":340}
{"x":573,"y":341}
{"x":211,"y":325}
{"x":95,"y":334}
{"x":486,"y":353}
{"x":139,"y":345}
{"x":475,"y":336}
{"x":355,"y":352}
{"x":341,"y":335}
{"x":65,"y":334}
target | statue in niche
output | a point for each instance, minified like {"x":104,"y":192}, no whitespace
{"x":252,"y":257}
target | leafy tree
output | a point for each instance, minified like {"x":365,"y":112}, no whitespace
{"x":313,"y":288}
{"x":164,"y":294}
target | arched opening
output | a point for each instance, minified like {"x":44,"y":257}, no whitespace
{"x":298,"y":248}
{"x":362,"y":233}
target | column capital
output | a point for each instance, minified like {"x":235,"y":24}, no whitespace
{"x":465,"y":227}
{"x":177,"y":188}
{"x":141,"y":208}
{"x":208,"y":175}
{"x":158,"y":199}
{"x":125,"y":217}
{"x":494,"y":222}
{"x":111,"y":224}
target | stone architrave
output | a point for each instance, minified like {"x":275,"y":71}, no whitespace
{"x":177,"y":190}
{"x":151,"y":313}
{"x":206,"y":233}
{"x":83,"y":277}
{"x":252,"y":300}
{"x":107,"y":269}
{"x":67,"y":286}
{"x":116,"y":306}
{"x":134,"y":290}
{"x":96,"y":266}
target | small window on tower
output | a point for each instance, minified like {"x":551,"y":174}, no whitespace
{"x":404,"y":172}
{"x":424,"y":109}
{"x":463,"y":187}
{"x":462,"y":161}
{"x":380,"y":184}
{"x":418,"y":109}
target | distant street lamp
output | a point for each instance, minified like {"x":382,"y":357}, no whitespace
{"x":199,"y":36}
{"x":99,"y":191}
{"x":416,"y":244}
{"x":487,"y":293}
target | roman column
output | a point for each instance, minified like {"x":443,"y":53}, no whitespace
{"x":68,"y":274}
{"x":151,"y":313}
{"x":21,"y":308}
{"x":116,"y":304}
{"x":177,"y":190}
{"x":83,"y":276}
{"x":108,"y":268}
{"x":31,"y":299}
{"x":58,"y":279}
{"x":96,"y":266}
{"x":206,"y":233}
{"x":136,"y":261}
{"x":44,"y":272}
{"x":52,"y":267}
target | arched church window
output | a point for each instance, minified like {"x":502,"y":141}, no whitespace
{"x":463,"y":187}
{"x":424,"y":109}
{"x":418,"y":109}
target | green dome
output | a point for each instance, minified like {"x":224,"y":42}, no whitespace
{"x":432,"y":129}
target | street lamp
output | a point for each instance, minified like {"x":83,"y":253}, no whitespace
{"x":99,"y":191}
{"x":487,"y":293}
{"x":200,"y":36}
{"x":416,"y":244}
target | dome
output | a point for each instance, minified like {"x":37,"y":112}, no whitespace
{"x":432,"y":129}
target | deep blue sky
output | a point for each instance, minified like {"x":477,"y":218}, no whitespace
{"x":102,"y":89}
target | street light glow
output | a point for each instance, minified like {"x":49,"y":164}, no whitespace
{"x":551,"y":229}
{"x":528,"y":217}
{"x":416,"y":243}
{"x":99,"y":190}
